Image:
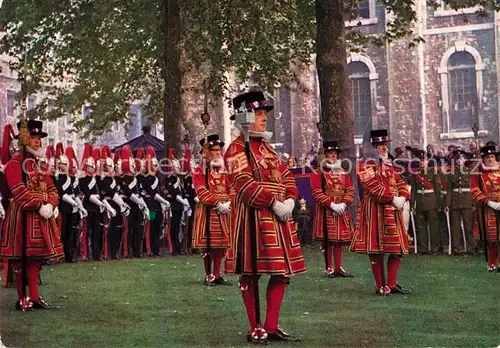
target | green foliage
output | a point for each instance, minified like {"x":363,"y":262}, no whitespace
{"x":112,"y":51}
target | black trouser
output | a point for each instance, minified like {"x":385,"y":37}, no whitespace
{"x":94,"y":233}
{"x":155,"y":233}
{"x":135,"y":232}
{"x":175,"y":224}
{"x":69,"y":235}
{"x":115,"y":230}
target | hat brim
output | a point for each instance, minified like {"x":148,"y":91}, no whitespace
{"x":220,"y":143}
{"x":381,"y":142}
{"x":37,"y":134}
{"x":267,"y":108}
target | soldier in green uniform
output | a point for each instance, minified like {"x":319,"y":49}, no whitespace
{"x":459,"y":202}
{"x":426,"y":202}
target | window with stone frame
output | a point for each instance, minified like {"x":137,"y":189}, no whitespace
{"x":361,"y":12}
{"x":462,"y":91}
{"x":11,"y":96}
{"x":31,"y":102}
{"x":359,"y":83}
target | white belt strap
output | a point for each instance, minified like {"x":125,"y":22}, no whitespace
{"x":425,"y":191}
{"x":463,"y":189}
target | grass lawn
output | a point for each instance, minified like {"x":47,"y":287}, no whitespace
{"x":161,"y":303}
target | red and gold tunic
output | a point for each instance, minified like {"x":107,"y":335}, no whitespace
{"x":218,"y":191}
{"x":380,"y":226}
{"x":485,"y":186}
{"x":42,"y":242}
{"x":258,"y":183}
{"x":338,"y":189}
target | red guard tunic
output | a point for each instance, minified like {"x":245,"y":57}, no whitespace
{"x":338,"y":189}
{"x":258,"y":183}
{"x":219,"y":224}
{"x":380,"y":228}
{"x":42,"y":242}
{"x":485,"y":186}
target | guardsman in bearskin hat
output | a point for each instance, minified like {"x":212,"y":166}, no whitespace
{"x":178,"y":203}
{"x":6,"y":152}
{"x":426,"y":202}
{"x":67,"y":205}
{"x":157,"y":205}
{"x":35,"y":200}
{"x":92,"y":203}
{"x":265,"y":196}
{"x":459,"y":202}
{"x":138,"y":208}
{"x":380,"y":228}
{"x":81,"y":213}
{"x":115,"y":206}
{"x":211,"y":216}
{"x":333,"y":191}
{"x":485,"y":187}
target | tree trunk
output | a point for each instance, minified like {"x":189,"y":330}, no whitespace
{"x":331,"y":62}
{"x":335,"y":96}
{"x":172,"y":77}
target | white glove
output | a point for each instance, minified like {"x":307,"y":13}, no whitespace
{"x":83,"y":212}
{"x":70,"y":200}
{"x":398,"y":202}
{"x":196,"y":199}
{"x":290,"y":203}
{"x":494,"y":205}
{"x":2,"y":212}
{"x":223,"y":208}
{"x":125,"y":209}
{"x":281,"y":211}
{"x":95,"y":199}
{"x":165,"y":207}
{"x":162,"y":201}
{"x":109,"y":208}
{"x":336,"y":208}
{"x":46,"y":211}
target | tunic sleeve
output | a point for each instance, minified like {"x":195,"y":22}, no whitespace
{"x":476,"y":191}
{"x":349,"y":190}
{"x":317,"y":191}
{"x":53,"y":194}
{"x":289,"y":181}
{"x":203,"y":194}
{"x":20,"y":193}
{"x":402,"y":187}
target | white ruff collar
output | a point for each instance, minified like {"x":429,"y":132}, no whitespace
{"x":37,"y":154}
{"x":266,"y":136}
{"x":489,"y":169}
{"x":336,"y":165}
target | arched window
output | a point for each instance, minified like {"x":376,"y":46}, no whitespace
{"x":359,"y":82}
{"x":463,"y":91}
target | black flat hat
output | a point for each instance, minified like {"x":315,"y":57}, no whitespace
{"x":212,"y":140}
{"x":254,"y":100}
{"x":331,"y":145}
{"x":489,"y":150}
{"x":379,"y":136}
{"x":34,"y":128}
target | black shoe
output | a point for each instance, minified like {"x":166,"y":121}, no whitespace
{"x":342,"y":274}
{"x":281,"y":335}
{"x":400,"y":290}
{"x":222,"y":281}
{"x":41,"y":304}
